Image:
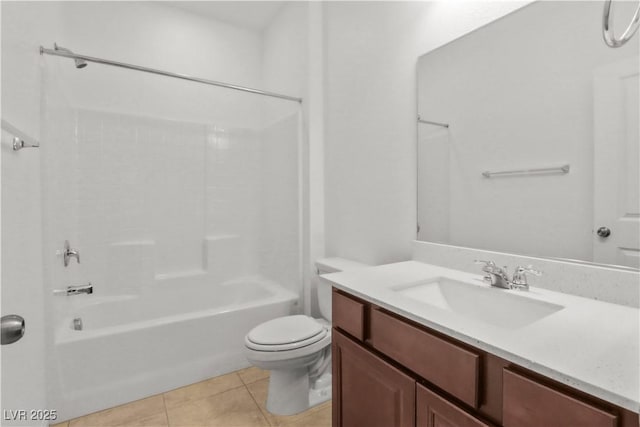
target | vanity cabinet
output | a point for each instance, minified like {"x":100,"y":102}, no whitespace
{"x":432,"y":410}
{"x":391,"y":372}
{"x":528,"y":403}
{"x":370,"y":392}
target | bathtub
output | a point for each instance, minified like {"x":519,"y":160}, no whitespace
{"x":171,"y":335}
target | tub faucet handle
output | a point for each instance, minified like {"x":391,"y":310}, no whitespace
{"x":69,"y":253}
{"x":75,"y":290}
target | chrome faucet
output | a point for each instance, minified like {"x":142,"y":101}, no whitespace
{"x":499,"y":278}
{"x":519,"y":280}
{"x":495,"y":276}
{"x":75,"y":290}
{"x":69,"y":253}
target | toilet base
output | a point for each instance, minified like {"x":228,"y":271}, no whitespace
{"x":289,"y":391}
{"x":320,"y":391}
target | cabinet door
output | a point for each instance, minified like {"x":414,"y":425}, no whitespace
{"x":368,"y":391}
{"x":435,"y":411}
{"x":528,"y":403}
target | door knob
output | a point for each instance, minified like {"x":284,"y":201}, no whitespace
{"x":603,"y":232}
{"x":12,"y":327}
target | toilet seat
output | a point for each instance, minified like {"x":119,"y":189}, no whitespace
{"x":286,"y":334}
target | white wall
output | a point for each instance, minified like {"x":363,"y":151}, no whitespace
{"x":165,"y":38}
{"x":23,"y":292}
{"x":372,"y":49}
{"x":294,"y":64}
{"x":135,"y":111}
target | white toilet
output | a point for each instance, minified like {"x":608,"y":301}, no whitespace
{"x":297,"y":351}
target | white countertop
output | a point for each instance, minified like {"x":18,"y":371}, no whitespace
{"x":590,"y":345}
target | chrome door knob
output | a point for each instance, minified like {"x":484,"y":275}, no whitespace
{"x":603,"y":232}
{"x":12,"y":327}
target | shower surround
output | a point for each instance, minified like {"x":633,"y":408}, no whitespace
{"x":188,"y":233}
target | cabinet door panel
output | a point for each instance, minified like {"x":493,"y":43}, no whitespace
{"x":528,"y":403}
{"x":368,"y":391}
{"x":434,"y":411}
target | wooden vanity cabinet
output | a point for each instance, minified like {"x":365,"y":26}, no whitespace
{"x":432,"y":410}
{"x":367,"y":391}
{"x":391,"y":372}
{"x":528,"y":403}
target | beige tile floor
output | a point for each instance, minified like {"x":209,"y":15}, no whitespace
{"x":233,"y":400}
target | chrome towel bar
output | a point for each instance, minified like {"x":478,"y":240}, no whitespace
{"x":564,"y":169}
{"x":429,"y":122}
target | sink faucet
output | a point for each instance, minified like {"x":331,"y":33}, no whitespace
{"x":495,"y":276}
{"x":499,"y":278}
{"x":519,"y":280}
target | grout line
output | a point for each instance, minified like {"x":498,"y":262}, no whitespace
{"x":166,"y":411}
{"x":250,"y":382}
{"x":259,"y":407}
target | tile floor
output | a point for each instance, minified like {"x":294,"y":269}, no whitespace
{"x":233,"y":400}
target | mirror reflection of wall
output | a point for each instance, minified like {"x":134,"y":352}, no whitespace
{"x":538,"y":88}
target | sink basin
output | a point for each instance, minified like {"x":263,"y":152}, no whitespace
{"x":482,"y":303}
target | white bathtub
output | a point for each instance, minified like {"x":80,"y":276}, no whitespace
{"x":172,"y":335}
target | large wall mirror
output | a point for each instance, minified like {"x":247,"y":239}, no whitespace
{"x":540,"y":156}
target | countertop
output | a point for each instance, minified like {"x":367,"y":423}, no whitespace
{"x":590,"y":345}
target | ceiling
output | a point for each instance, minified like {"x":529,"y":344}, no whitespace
{"x":254,"y":15}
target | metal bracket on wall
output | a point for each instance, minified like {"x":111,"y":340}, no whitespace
{"x":20,"y":140}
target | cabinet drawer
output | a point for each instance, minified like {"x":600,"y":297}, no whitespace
{"x":434,"y":411}
{"x":527,"y":403}
{"x":450,"y":367}
{"x":348,"y":314}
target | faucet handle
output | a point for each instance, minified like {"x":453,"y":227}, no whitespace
{"x":69,"y":253}
{"x":488,"y":267}
{"x":528,"y":269}
{"x":519,"y":280}
{"x":487,"y":264}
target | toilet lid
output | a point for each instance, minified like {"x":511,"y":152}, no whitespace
{"x":287,"y":330}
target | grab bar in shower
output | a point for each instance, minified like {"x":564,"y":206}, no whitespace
{"x":20,"y":139}
{"x":429,"y":122}
{"x":564,"y":169}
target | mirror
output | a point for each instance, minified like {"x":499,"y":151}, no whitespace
{"x":540,"y":156}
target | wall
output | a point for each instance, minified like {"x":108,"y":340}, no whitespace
{"x":294,"y":63}
{"x":164,"y":38}
{"x":372,"y":49}
{"x":112,"y":138}
{"x":284,"y":62}
{"x":23,"y":293}
{"x":167,"y":167}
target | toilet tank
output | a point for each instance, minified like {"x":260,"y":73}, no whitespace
{"x":331,"y":265}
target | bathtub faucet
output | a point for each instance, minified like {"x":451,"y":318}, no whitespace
{"x":75,"y":290}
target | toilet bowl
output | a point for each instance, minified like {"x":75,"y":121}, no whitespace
{"x":297,"y":351}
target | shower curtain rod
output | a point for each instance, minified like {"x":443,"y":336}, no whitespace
{"x":69,"y":54}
